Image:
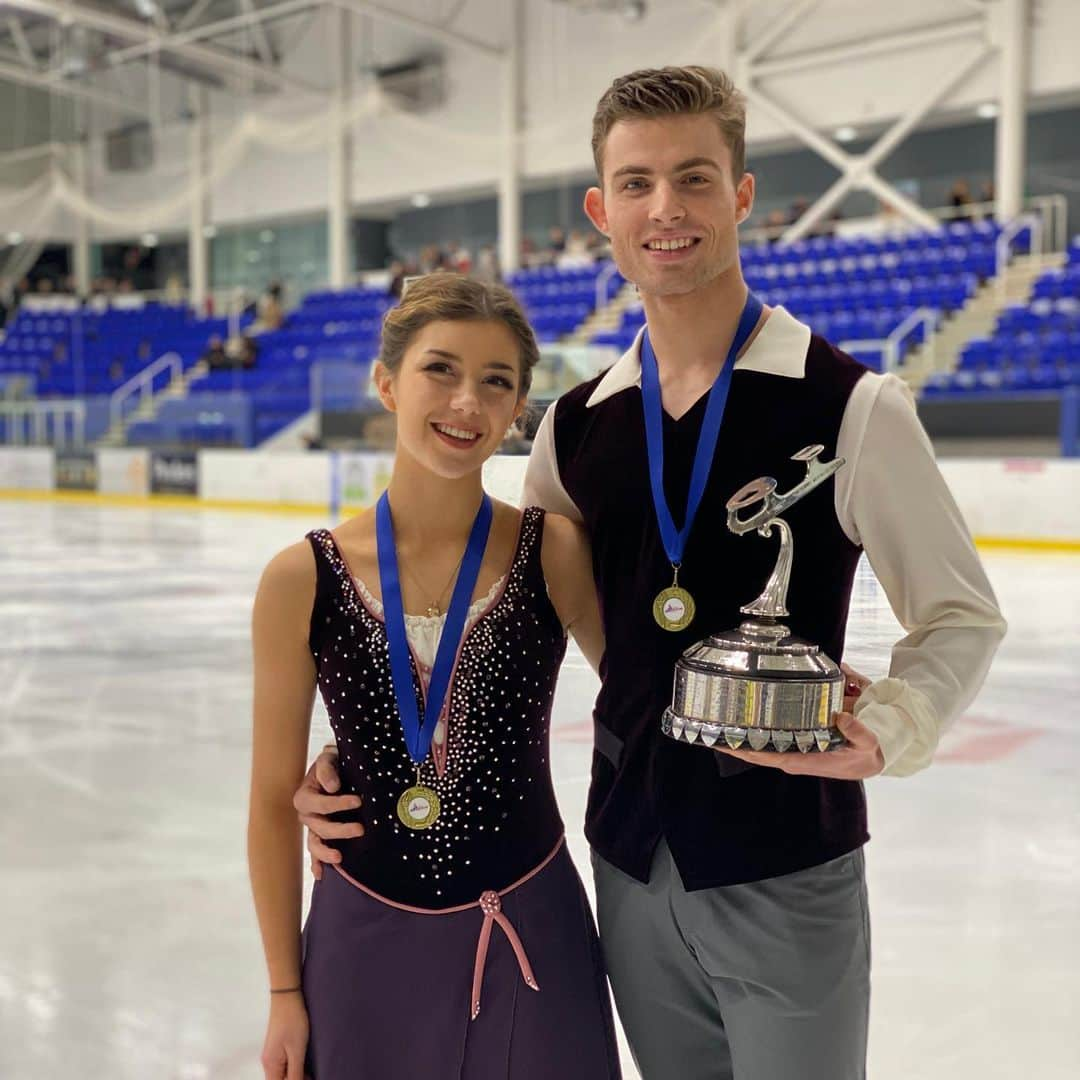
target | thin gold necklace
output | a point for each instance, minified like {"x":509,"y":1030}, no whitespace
{"x":434,"y":609}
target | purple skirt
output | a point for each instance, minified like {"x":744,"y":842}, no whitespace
{"x":509,"y":988}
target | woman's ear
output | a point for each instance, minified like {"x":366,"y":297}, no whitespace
{"x":519,"y":411}
{"x":384,"y":384}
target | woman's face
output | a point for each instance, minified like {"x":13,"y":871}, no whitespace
{"x":456,"y":393}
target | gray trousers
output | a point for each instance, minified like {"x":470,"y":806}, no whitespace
{"x":769,"y":980}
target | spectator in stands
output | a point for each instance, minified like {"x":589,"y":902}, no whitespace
{"x":60,"y":353}
{"x":528,"y":251}
{"x":397,"y":278}
{"x":215,"y":356}
{"x":241,"y":351}
{"x":775,"y":222}
{"x":461,"y":258}
{"x":988,"y":196}
{"x":487,"y":265}
{"x":116,"y":370}
{"x":433,"y":258}
{"x":887,"y":215}
{"x":271,"y":313}
{"x":556,"y":241}
{"x":798,"y":208}
{"x":576,"y":243}
{"x":599,"y":245}
{"x":174,"y":290}
{"x":145,"y":352}
{"x":960,"y":201}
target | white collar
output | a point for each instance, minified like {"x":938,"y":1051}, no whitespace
{"x":779,"y":349}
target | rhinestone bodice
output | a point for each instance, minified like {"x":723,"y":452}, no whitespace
{"x":498,"y":816}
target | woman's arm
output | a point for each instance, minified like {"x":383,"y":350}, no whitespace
{"x":567,"y":561}
{"x":284,"y":694}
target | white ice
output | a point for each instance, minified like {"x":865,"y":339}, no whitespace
{"x":128,"y":946}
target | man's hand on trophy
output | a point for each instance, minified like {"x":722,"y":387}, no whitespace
{"x":854,"y":685}
{"x":859,"y":759}
{"x":314,"y":802}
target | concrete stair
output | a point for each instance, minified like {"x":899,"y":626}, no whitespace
{"x":608,"y":317}
{"x":116,"y":434}
{"x":976,"y":318}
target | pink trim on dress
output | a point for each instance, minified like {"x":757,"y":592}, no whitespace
{"x":491,"y":906}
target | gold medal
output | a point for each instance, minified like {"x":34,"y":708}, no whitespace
{"x":674,"y":608}
{"x":418,"y":807}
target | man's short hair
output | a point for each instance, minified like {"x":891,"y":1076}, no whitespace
{"x":674,"y":91}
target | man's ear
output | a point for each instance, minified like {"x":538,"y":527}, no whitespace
{"x":594,"y":209}
{"x":384,"y":384}
{"x":744,"y":197}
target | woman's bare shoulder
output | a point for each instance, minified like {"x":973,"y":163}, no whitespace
{"x":289,"y":580}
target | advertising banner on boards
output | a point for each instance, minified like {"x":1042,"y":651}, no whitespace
{"x":76,"y":470}
{"x":174,"y":473}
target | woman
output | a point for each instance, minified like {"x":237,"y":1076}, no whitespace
{"x":454,"y":938}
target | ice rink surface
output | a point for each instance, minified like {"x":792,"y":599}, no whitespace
{"x":128,"y":946}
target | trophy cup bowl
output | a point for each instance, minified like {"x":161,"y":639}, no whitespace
{"x":758,"y":686}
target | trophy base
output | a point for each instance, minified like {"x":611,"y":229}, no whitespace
{"x":770,"y":740}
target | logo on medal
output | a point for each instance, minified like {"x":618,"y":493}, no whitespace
{"x":418,"y":808}
{"x":674,"y":609}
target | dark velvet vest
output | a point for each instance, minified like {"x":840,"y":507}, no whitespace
{"x":724,"y":822}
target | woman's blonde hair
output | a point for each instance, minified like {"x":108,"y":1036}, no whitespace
{"x":444,"y":296}
{"x":674,"y":91}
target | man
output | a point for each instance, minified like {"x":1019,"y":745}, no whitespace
{"x":730,"y":886}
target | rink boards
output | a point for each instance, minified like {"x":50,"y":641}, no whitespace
{"x":1022,"y":502}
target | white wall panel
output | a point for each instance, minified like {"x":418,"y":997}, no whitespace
{"x":26,"y":468}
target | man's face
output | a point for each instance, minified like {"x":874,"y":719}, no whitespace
{"x":669,"y":204}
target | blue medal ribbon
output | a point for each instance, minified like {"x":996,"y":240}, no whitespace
{"x":675,"y":539}
{"x":419,"y":726}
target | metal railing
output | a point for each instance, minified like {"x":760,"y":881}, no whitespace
{"x":140,"y":388}
{"x":602,"y":279}
{"x":891,"y":346}
{"x":41,"y":423}
{"x":1026,"y":222}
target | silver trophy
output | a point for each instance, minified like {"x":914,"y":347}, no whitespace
{"x":758,"y":686}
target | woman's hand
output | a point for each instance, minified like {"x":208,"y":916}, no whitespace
{"x":286,"y":1038}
